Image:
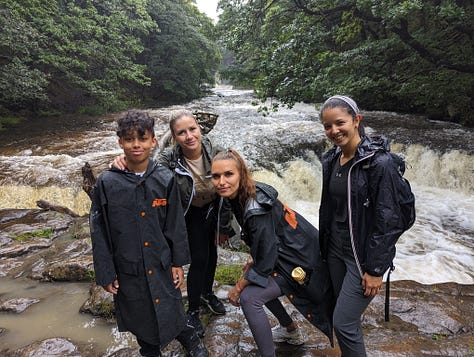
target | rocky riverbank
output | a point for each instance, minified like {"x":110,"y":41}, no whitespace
{"x":47,"y":245}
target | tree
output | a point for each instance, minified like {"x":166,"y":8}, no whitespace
{"x":403,"y":55}
{"x":181,"y":58}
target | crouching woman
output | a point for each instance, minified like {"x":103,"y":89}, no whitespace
{"x":285,"y":257}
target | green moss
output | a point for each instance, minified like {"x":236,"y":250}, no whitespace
{"x":106,"y":309}
{"x":9,"y":121}
{"x":228,"y":275}
{"x":438,"y":337}
{"x":41,"y":233}
{"x":91,"y":275}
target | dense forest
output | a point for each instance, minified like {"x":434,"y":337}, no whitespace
{"x":91,"y":56}
{"x":411,"y":56}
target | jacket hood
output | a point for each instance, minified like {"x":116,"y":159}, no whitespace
{"x":372,"y":143}
{"x":367,"y":145}
{"x":266,"y":196}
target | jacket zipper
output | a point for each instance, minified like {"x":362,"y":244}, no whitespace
{"x":185,"y":172}
{"x":349,"y":208}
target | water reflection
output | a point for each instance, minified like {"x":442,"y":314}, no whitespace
{"x":56,"y":315}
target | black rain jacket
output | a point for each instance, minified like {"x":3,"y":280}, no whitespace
{"x":280,"y":240}
{"x":372,"y":205}
{"x":138,"y":233}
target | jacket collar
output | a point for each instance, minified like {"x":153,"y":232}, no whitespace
{"x":367,"y":146}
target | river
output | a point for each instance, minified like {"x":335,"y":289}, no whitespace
{"x":43,"y":160}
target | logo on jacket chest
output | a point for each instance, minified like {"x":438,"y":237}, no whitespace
{"x":157,"y":202}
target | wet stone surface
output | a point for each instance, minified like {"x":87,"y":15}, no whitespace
{"x":430,"y":320}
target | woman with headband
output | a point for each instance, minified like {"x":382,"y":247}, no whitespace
{"x":285,"y":258}
{"x":357,"y":218}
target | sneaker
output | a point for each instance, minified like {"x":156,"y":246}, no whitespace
{"x":214,"y":304}
{"x":192,"y":320}
{"x":281,"y":334}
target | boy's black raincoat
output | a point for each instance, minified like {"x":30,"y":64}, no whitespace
{"x":138,"y":233}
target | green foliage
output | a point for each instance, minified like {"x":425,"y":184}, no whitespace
{"x":91,"y":275}
{"x":5,"y":121}
{"x":96,"y":56}
{"x":181,"y":58}
{"x":228,"y":274}
{"x":409,"y":55}
{"x":42,"y":233}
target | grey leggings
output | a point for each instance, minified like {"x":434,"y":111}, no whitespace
{"x":351,"y":301}
{"x":252,"y":299}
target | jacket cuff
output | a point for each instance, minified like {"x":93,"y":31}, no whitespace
{"x":256,"y":278}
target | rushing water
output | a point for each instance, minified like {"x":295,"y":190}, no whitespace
{"x":43,"y":160}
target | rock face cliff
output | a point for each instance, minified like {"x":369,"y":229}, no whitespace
{"x":46,"y":245}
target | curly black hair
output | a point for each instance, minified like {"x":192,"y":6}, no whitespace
{"x":135,"y":120}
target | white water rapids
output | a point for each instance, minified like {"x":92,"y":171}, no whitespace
{"x":44,"y":160}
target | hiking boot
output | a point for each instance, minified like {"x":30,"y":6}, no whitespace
{"x":192,"y":320}
{"x":213,"y":303}
{"x":281,"y":334}
{"x":192,"y":343}
{"x":198,"y":351}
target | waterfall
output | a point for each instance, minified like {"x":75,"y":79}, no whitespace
{"x":282,"y":149}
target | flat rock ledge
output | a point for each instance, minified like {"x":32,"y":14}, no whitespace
{"x":425,"y":320}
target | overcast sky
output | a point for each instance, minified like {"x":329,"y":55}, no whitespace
{"x":208,"y":7}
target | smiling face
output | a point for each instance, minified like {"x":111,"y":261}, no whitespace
{"x":187,"y":134}
{"x":137,"y":149}
{"x":226,"y":177}
{"x":341,"y":128}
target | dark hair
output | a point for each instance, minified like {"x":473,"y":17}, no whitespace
{"x":135,"y":120}
{"x":246,"y":184}
{"x":340,"y":102}
{"x":175,"y":115}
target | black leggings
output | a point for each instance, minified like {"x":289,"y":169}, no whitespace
{"x":203,"y":255}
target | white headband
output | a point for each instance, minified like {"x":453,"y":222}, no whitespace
{"x":347,"y":100}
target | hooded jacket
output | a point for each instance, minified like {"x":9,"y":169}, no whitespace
{"x":138,"y":233}
{"x":372,"y":205}
{"x":173,"y":158}
{"x":280,"y":240}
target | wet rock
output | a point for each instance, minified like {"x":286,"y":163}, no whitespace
{"x":49,"y":347}
{"x":17,"y":249}
{"x":126,"y":352}
{"x":100,"y":303}
{"x":74,"y":269}
{"x":17,"y":305}
{"x":433,"y":319}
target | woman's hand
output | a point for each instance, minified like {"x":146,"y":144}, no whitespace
{"x":120,"y":162}
{"x":222,"y":238}
{"x":371,"y":284}
{"x":234,"y":296}
{"x":178,"y":276}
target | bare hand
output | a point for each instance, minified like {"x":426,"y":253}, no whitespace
{"x":112,"y":287}
{"x":371,"y":284}
{"x":120,"y":162}
{"x":234,"y":296}
{"x":178,"y":276}
{"x":222,"y":238}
